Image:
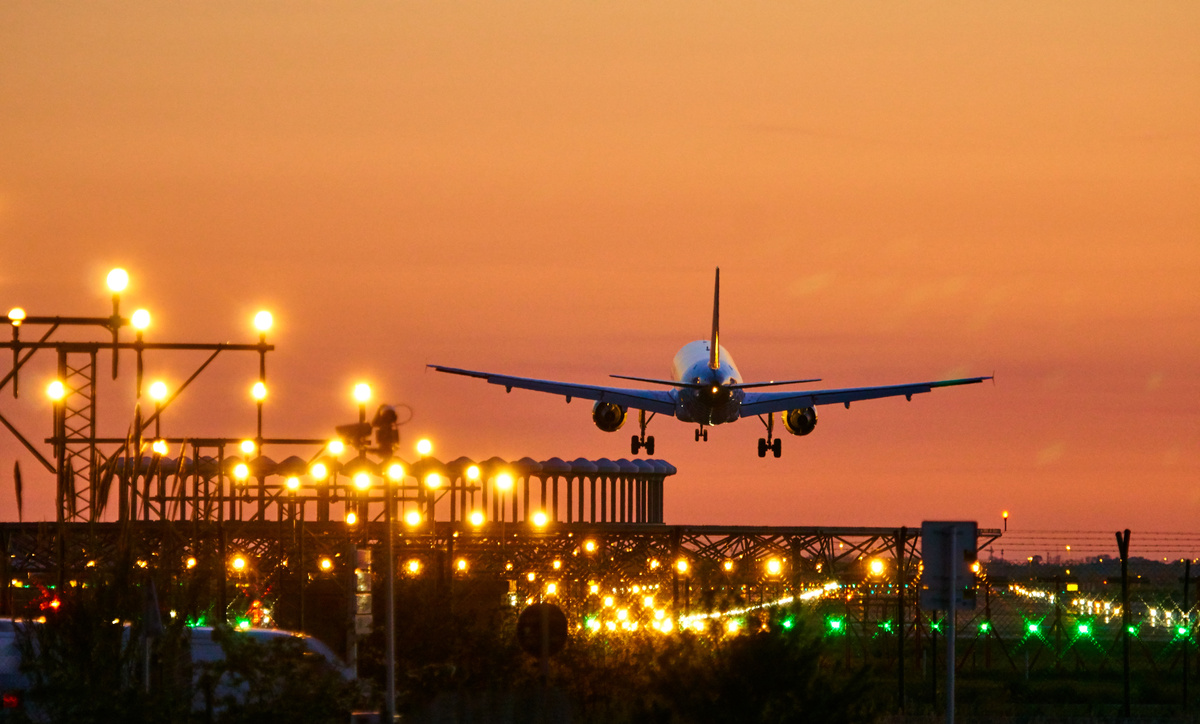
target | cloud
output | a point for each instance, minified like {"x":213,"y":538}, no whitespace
{"x":1050,"y":455}
{"x":811,"y":284}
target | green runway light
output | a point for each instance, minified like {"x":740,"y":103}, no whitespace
{"x":886,"y":626}
{"x":1182,"y":630}
{"x":1133,"y":630}
{"x":1033,"y":628}
{"x":835,"y":625}
{"x":788,"y":623}
{"x":1084,"y":629}
{"x":985,"y":627}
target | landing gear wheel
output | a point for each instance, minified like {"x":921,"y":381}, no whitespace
{"x":777,"y":447}
{"x":635,"y":445}
{"x":697,"y":435}
{"x":704,"y":435}
{"x":649,"y":445}
{"x":762,"y":447}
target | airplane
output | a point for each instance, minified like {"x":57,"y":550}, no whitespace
{"x":707,"y":389}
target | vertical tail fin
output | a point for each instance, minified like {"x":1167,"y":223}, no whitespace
{"x":714,"y":354}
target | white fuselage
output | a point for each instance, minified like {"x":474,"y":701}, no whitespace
{"x":715,"y":403}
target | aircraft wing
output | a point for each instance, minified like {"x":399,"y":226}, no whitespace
{"x":760,"y":403}
{"x":649,"y":400}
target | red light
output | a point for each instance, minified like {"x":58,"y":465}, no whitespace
{"x":11,"y":700}
{"x":55,"y":603}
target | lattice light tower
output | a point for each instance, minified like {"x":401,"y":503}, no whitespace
{"x":82,"y":468}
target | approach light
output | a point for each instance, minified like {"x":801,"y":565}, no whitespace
{"x":433,"y":481}
{"x":540,"y":519}
{"x":504,"y":481}
{"x":774,"y":567}
{"x":326,"y":563}
{"x":16,"y":315}
{"x":140,"y":320}
{"x":1032,"y":628}
{"x":732,"y":627}
{"x":351,"y":518}
{"x":263,"y":321}
{"x":876,"y":567}
{"x":238,"y":563}
{"x":362,"y":481}
{"x":241,"y":471}
{"x":412,"y":518}
{"x":248,"y":447}
{"x":473,"y":472}
{"x":117,"y":280}
{"x":159,"y":447}
{"x":424,"y":447}
{"x":681,"y":565}
{"x":293,"y":483}
{"x":589,"y":546}
{"x":414,"y":566}
{"x":727,"y":564}
{"x":1084,"y":629}
{"x":461,"y":564}
{"x":319,"y":471}
{"x":362,"y":393}
{"x":336,"y":447}
{"x":259,"y":391}
{"x":476,"y":518}
{"x":56,"y":390}
{"x":190,"y":562}
{"x":551,"y":589}
{"x":395,"y":472}
{"x":158,"y":391}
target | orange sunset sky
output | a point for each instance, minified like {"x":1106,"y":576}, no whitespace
{"x":894,"y":192}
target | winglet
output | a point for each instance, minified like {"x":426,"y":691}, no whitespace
{"x":714,"y":354}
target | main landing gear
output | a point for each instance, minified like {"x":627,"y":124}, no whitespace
{"x":701,"y":434}
{"x":637,"y":442}
{"x":774,"y":444}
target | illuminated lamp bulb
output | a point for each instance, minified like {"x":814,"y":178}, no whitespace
{"x":117,"y":280}
{"x":16,"y":315}
{"x":263,"y":321}
{"x":540,"y":519}
{"x":362,"y":393}
{"x":293,"y":483}
{"x":362,"y":481}
{"x":259,"y":391}
{"x":158,"y":391}
{"x":395,"y":472}
{"x":412,"y":518}
{"x":336,"y":447}
{"x":473,"y":472}
{"x":319,"y":471}
{"x":326,"y":564}
{"x":433,"y":481}
{"x":140,"y":320}
{"x":56,"y":390}
{"x":241,"y":471}
{"x":351,"y":518}
{"x":248,"y":447}
{"x":476,"y":518}
{"x":504,"y":481}
{"x":159,"y":447}
{"x":424,"y":446}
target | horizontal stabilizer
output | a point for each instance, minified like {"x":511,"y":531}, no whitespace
{"x":772,"y":383}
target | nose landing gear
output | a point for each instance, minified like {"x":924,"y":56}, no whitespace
{"x":637,"y":442}
{"x":701,"y":434}
{"x":774,"y":444}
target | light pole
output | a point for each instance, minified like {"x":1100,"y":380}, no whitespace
{"x":504,"y":483}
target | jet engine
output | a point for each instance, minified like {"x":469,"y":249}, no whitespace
{"x":800,"y":422}
{"x":608,"y":416}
